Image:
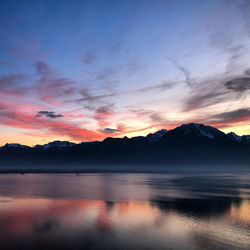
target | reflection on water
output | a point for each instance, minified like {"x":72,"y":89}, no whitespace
{"x":125,"y":211}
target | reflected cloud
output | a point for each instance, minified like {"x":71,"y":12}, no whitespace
{"x":133,"y":211}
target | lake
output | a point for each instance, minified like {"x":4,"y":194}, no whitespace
{"x":125,"y":211}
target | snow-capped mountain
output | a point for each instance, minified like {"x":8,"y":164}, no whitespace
{"x":187,"y":144}
{"x":14,"y":146}
{"x":56,"y":145}
{"x":244,"y":139}
{"x":194,"y":132}
{"x":155,"y":137}
{"x":234,"y":137}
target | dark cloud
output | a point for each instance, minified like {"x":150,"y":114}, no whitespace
{"x":110,"y":131}
{"x":217,"y":90}
{"x":203,"y":100}
{"x":247,"y":72}
{"x":49,"y":114}
{"x":232,"y":115}
{"x":238,"y":84}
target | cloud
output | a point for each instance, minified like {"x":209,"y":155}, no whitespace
{"x":12,"y":88}
{"x":150,"y":116}
{"x":50,"y":87}
{"x":49,"y":114}
{"x":218,"y":89}
{"x":133,"y":67}
{"x":105,"y":75}
{"x":247,"y":72}
{"x":7,"y":64}
{"x":103,"y":114}
{"x":12,"y":83}
{"x":203,"y":100}
{"x":110,"y":131}
{"x":236,"y":59}
{"x":43,"y":69}
{"x":87,"y":96}
{"x":229,"y":119}
{"x":185,"y":72}
{"x":232,"y":115}
{"x":239,"y":85}
{"x":157,"y":118}
{"x":158,"y":87}
{"x":89,"y":58}
{"x":20,"y":119}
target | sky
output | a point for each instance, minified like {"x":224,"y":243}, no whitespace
{"x":86,"y":70}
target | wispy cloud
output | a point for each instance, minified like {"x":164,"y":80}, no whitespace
{"x":50,"y":87}
{"x":185,"y":72}
{"x":87,"y":96}
{"x":103,"y":115}
{"x":12,"y":84}
{"x":89,"y":58}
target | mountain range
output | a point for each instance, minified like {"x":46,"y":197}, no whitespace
{"x":187,"y":144}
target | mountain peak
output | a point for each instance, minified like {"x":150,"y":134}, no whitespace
{"x":197,"y":131}
{"x":234,"y":136}
{"x":154,"y":137}
{"x":56,"y":144}
{"x":14,"y":145}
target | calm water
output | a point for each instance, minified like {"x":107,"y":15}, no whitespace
{"x":125,"y":211}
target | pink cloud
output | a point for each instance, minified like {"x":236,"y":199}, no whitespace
{"x":20,"y":119}
{"x":103,"y":115}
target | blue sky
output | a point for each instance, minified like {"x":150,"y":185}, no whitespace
{"x":131,"y":66}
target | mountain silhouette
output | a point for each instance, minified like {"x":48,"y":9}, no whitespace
{"x":188,"y":144}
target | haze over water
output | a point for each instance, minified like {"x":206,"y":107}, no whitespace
{"x":125,"y":211}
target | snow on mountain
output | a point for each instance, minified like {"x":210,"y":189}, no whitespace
{"x":195,"y":132}
{"x":14,"y":145}
{"x":152,"y":138}
{"x":245,"y":139}
{"x":234,"y":137}
{"x":56,"y":145}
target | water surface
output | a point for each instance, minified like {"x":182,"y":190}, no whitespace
{"x":125,"y":211}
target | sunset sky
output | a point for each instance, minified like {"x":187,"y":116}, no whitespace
{"x":86,"y":70}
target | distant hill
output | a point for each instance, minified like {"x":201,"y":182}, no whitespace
{"x":188,"y":144}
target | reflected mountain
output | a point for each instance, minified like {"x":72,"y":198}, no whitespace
{"x":125,"y":211}
{"x":200,"y":208}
